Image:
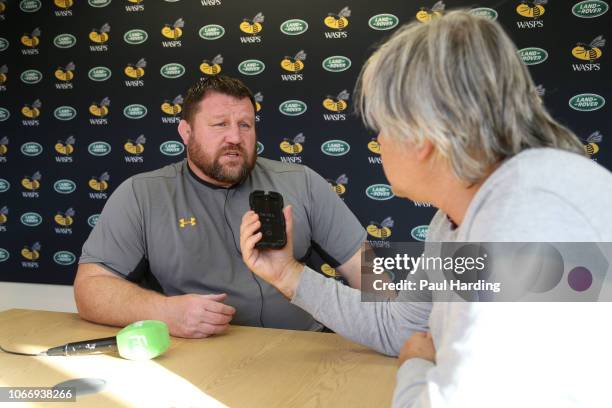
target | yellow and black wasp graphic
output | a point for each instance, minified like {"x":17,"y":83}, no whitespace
{"x":427,"y":14}
{"x":64,"y":218}
{"x":591,"y":143}
{"x":136,"y":71}
{"x":589,"y":52}
{"x":252,"y":26}
{"x":337,"y":103}
{"x":381,"y":230}
{"x":32,"y":182}
{"x":65,"y":147}
{"x":173,"y":107}
{"x":31,"y":40}
{"x":31,"y":253}
{"x":295,"y":64}
{"x":212,"y":67}
{"x":4,"y":146}
{"x":135,"y":146}
{"x":4,"y":215}
{"x":338,"y":21}
{"x":293,"y":146}
{"x":32,"y":111}
{"x":100,"y":109}
{"x":100,"y":35}
{"x":99,"y":183}
{"x":66,"y":73}
{"x":339,"y":185}
{"x":173,"y":31}
{"x":531,"y":9}
{"x":258,"y":100}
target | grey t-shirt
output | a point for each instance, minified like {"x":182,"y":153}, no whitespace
{"x":171,"y":231}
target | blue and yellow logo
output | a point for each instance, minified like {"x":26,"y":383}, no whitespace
{"x":380,"y":230}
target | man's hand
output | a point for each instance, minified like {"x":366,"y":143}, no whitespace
{"x":275,"y":266}
{"x":197,"y":316}
{"x":419,"y":345}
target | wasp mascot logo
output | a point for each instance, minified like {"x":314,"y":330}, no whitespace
{"x":293,"y":146}
{"x":338,"y":21}
{"x":380,"y":230}
{"x":31,"y":253}
{"x":591,"y":143}
{"x":99,"y":183}
{"x":427,"y":14}
{"x":252,"y":26}
{"x":212,"y":67}
{"x":339,"y":185}
{"x":65,"y":218}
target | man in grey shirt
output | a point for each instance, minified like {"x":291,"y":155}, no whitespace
{"x":166,"y":244}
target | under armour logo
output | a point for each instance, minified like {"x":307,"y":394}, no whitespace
{"x":184,"y":222}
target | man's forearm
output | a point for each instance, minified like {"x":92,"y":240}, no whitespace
{"x":114,"y":301}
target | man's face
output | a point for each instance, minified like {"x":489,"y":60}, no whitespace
{"x":221,"y":142}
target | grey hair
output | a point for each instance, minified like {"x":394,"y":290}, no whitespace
{"x":458,"y":81}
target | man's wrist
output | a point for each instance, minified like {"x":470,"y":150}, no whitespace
{"x":290,"y":279}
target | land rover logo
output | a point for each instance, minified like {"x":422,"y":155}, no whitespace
{"x":336,"y":63}
{"x":485,"y":12}
{"x":4,"y":185}
{"x":294,"y":27}
{"x":99,"y":3}
{"x":383,"y":22}
{"x":587,"y":102}
{"x":31,"y":219}
{"x":4,"y":255}
{"x":135,"y":36}
{"x":212,"y":32}
{"x":260,"y":148}
{"x":99,"y":148}
{"x":64,"y":258}
{"x":335,"y":148}
{"x":379,"y":192}
{"x":31,"y":76}
{"x":31,"y":149}
{"x":64,"y":186}
{"x":171,"y":148}
{"x":590,"y":8}
{"x":4,"y":44}
{"x":533,"y":55}
{"x":4,"y":114}
{"x":292,"y":107}
{"x":135,"y":111}
{"x":420,"y":233}
{"x":99,"y":74}
{"x":64,"y":113}
{"x":64,"y":41}
{"x":30,"y":6}
{"x":251,"y":67}
{"x":172,"y":70}
{"x":93,"y":220}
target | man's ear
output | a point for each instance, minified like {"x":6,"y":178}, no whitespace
{"x":184,"y":130}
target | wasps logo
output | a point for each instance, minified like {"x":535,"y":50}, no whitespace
{"x":100,"y":35}
{"x":66,"y":73}
{"x":212,"y":67}
{"x":4,"y":146}
{"x":63,"y":4}
{"x":4,"y":215}
{"x":531,"y":9}
{"x":293,"y":146}
{"x":99,"y":183}
{"x":32,"y":182}
{"x":100,"y":109}
{"x":338,"y":21}
{"x":174,"y":31}
{"x":2,"y":8}
{"x":65,"y":219}
{"x":173,"y":107}
{"x":135,"y":146}
{"x":339,"y":186}
{"x":252,"y":26}
{"x":295,"y":64}
{"x":424,"y":14}
{"x":65,"y":147}
{"x":591,"y":146}
{"x":337,"y":103}
{"x":31,"y":253}
{"x":32,"y":111}
{"x":374,"y":146}
{"x":590,"y":52}
{"x":258,"y":100}
{"x":382,"y":230}
{"x":136,"y":71}
{"x":328,"y":270}
{"x":31,"y":40}
{"x":3,"y":72}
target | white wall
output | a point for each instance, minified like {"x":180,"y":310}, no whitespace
{"x":36,"y":296}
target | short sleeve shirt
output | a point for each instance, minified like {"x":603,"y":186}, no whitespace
{"x":171,"y":231}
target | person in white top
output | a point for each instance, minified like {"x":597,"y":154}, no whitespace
{"x":461,"y":126}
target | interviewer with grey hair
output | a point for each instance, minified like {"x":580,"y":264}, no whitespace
{"x":461,"y":126}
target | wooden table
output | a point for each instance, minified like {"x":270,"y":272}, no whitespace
{"x":245,"y":367}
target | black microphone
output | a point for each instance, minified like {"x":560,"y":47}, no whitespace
{"x":79,"y":348}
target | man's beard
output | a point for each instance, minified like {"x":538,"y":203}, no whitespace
{"x":217,"y":171}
